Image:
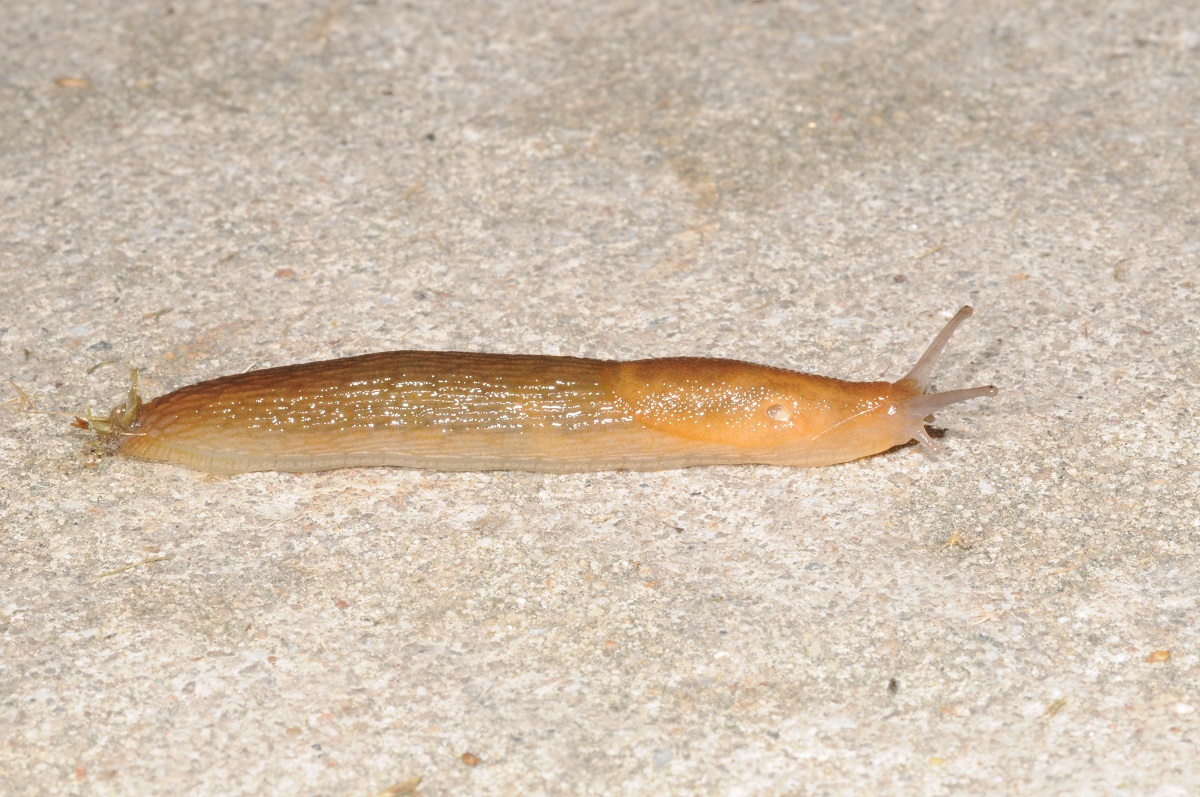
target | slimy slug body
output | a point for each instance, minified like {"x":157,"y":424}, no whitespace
{"x":465,"y":411}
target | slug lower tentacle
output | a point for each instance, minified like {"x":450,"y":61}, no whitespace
{"x":465,"y":411}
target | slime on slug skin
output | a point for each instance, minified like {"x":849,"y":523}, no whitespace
{"x":468,"y":411}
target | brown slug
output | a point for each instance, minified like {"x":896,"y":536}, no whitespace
{"x":466,"y":411}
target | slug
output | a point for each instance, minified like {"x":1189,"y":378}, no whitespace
{"x":465,"y":411}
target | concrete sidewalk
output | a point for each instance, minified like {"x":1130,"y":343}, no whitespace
{"x":202,"y":189}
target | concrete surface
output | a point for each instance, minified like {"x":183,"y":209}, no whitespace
{"x":196,"y":189}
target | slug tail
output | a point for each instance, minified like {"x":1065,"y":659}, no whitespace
{"x":119,"y":424}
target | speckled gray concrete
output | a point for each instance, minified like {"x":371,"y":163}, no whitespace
{"x":199,"y":189}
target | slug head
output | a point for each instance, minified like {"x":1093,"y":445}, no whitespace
{"x":886,"y":415}
{"x":753,"y":413}
{"x":757,"y":414}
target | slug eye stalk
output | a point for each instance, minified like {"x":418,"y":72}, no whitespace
{"x":918,"y":405}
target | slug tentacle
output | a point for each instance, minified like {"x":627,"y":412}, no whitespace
{"x":921,"y":372}
{"x":918,"y":405}
{"x":925,"y":405}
